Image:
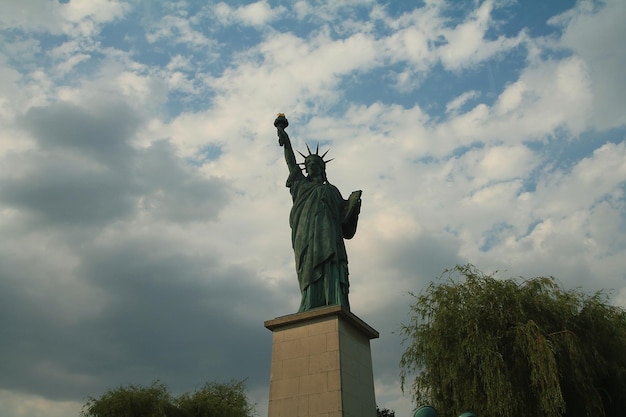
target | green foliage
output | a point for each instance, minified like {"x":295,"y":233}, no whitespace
{"x":213,"y":400}
{"x":216,"y":400}
{"x":385,"y":412}
{"x":509,"y":348}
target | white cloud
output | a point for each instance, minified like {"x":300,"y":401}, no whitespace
{"x":466,"y":40}
{"x":424,"y":37}
{"x":256,"y":14}
{"x":99,"y":10}
{"x":501,"y":163}
{"x":596,"y":36}
{"x":620,"y":299}
{"x":589,"y":182}
{"x":37,"y":15}
{"x":570,"y":223}
{"x":459,"y":101}
{"x":178,"y":30}
{"x":197,"y":207}
{"x":326,"y":10}
{"x":8,"y":89}
{"x":17,"y":404}
{"x":512,"y":97}
{"x":77,"y":17}
{"x":547,"y":96}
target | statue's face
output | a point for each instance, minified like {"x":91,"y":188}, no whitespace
{"x":314,"y":166}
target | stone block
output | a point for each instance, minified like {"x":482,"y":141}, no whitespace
{"x":284,"y":388}
{"x":295,"y":367}
{"x":313,"y":384}
{"x":324,"y":362}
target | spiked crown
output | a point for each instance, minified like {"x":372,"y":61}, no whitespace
{"x":312,"y":155}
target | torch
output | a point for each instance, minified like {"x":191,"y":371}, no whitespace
{"x":281,"y":123}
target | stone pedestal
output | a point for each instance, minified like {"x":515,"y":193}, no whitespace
{"x":321,"y":365}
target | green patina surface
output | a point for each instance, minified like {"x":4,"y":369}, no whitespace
{"x":320,"y":220}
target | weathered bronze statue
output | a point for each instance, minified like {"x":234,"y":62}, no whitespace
{"x":320,"y":219}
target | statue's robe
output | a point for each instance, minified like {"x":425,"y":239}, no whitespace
{"x":319,"y":223}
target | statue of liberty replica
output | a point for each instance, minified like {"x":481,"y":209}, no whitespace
{"x":320,"y":220}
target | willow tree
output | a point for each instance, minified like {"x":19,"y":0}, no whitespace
{"x":506,"y":347}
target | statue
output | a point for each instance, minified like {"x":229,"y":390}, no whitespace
{"x":320,"y":220}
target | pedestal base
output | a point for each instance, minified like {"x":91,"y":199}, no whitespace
{"x":321,"y":365}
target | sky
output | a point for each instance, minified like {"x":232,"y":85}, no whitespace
{"x":144,"y":226}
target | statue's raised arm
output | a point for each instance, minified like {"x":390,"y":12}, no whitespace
{"x":320,"y":220}
{"x":283,"y":140}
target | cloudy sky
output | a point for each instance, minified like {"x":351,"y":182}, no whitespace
{"x":143,"y":211}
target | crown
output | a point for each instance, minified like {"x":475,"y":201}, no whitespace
{"x":315,"y":155}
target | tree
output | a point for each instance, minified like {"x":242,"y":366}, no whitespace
{"x":514,"y":347}
{"x":216,"y":400}
{"x":385,"y":412}
{"x":212,"y":400}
